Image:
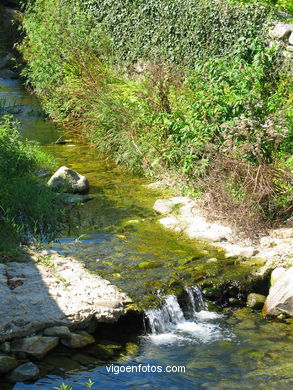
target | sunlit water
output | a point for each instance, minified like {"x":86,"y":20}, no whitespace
{"x":114,"y":235}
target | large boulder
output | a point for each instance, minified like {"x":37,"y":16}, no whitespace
{"x":280,"y":298}
{"x":67,"y":180}
{"x":24,"y":372}
{"x":35,"y":346}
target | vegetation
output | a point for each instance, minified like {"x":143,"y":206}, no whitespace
{"x":27,"y":208}
{"x":191,"y":88}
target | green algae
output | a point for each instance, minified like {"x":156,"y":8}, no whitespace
{"x":125,"y":243}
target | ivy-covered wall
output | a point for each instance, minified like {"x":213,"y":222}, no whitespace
{"x":180,"y":31}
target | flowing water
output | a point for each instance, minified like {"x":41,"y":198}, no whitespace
{"x":118,"y":236}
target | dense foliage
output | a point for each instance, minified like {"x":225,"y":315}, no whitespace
{"x":189,"y":86}
{"x":27,"y":208}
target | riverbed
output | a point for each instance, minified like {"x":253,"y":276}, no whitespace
{"x":118,"y":236}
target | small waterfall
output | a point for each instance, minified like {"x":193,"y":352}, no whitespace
{"x":195,"y":300}
{"x":168,"y":325}
{"x":163,"y":319}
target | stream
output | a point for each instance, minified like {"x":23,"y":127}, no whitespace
{"x":118,"y":236}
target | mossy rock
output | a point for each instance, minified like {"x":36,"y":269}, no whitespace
{"x":149,"y":265}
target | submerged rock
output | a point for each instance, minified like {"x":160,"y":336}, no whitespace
{"x":8,"y":74}
{"x":7,"y":363}
{"x":42,"y":173}
{"x":35,"y":346}
{"x":280,"y":298}
{"x":4,"y":61}
{"x":166,"y":206}
{"x":256,"y":301}
{"x":67,"y":180}
{"x":74,"y":198}
{"x":24,"y":372}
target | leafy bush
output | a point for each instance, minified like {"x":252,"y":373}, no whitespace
{"x":27,"y":208}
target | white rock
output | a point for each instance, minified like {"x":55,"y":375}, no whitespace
{"x":166,"y":206}
{"x":67,"y":180}
{"x":280,"y":298}
{"x":277,"y":274}
{"x":281,"y":30}
{"x":169,"y":222}
{"x":291,"y":39}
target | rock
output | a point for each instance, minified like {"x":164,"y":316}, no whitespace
{"x":42,"y":173}
{"x":5,"y":60}
{"x":5,"y":347}
{"x":35,"y":346}
{"x":78,"y":340}
{"x":7,"y":363}
{"x":290,"y":48}
{"x":24,"y":372}
{"x":166,"y":206}
{"x":75,"y":298}
{"x":288,"y":54}
{"x":255,"y":301}
{"x":58,"y":331}
{"x":291,"y":39}
{"x":13,"y":110}
{"x":236,"y":250}
{"x":8,"y":74}
{"x":67,"y":180}
{"x":149,"y":264}
{"x":281,"y":30}
{"x":276,"y":274}
{"x":280,"y":298}
{"x":74,"y":198}
{"x":212,"y":260}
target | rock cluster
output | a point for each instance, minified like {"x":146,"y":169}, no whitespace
{"x":36,"y":348}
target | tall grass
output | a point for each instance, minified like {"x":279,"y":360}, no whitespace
{"x":28,"y":210}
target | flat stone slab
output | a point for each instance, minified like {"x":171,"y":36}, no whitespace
{"x":59,"y":291}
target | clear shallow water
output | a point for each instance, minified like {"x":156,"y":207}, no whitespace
{"x":113,"y":235}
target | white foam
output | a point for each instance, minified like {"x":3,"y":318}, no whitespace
{"x":204,"y":332}
{"x":205,"y":315}
{"x":165,"y":338}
